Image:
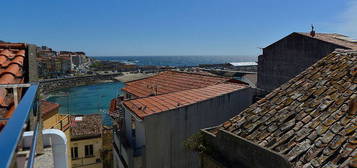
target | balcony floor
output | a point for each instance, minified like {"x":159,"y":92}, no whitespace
{"x":45,"y":159}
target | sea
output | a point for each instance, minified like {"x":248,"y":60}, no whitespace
{"x":177,"y":61}
{"x":91,"y":99}
{"x":95,"y":99}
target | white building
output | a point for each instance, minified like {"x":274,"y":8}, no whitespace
{"x":151,"y":130}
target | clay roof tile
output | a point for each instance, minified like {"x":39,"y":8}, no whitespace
{"x":12,"y":57}
{"x":311,"y":118}
{"x":143,"y":107}
{"x":171,"y":81}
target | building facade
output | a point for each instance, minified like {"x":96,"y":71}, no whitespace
{"x":291,"y":55}
{"x":158,"y":113}
{"x":86,"y":141}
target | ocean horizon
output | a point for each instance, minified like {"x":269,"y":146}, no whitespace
{"x":177,"y":61}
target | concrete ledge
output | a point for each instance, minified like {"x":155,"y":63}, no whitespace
{"x":234,"y":151}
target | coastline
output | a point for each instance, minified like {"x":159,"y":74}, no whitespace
{"x":59,"y":84}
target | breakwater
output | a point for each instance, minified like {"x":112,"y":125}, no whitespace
{"x":50,"y":85}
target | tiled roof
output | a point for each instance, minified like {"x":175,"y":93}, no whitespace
{"x":86,"y":125}
{"x":143,"y":107}
{"x":311,"y":119}
{"x":337,"y":39}
{"x":12,"y":57}
{"x":46,"y":107}
{"x":171,"y":81}
{"x":113,"y":108}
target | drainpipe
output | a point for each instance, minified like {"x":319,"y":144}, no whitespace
{"x":57,"y":140}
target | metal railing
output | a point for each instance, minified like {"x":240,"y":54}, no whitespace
{"x":63,"y":123}
{"x":11,"y":134}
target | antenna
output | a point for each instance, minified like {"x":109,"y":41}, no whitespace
{"x":312,"y":32}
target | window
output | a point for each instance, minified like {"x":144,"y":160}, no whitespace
{"x":88,"y":150}
{"x":74,"y":152}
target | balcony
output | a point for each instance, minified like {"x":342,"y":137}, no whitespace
{"x":63,"y":124}
{"x":21,"y":139}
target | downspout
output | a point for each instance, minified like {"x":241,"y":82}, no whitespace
{"x":57,"y":140}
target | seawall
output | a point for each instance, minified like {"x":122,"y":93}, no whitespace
{"x":49,"y":85}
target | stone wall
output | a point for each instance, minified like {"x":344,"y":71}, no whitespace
{"x":233,"y":151}
{"x":32,"y":63}
{"x":49,"y":85}
{"x":288,"y":57}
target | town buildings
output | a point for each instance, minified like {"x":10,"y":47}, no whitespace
{"x":289,"y":56}
{"x":86,"y":141}
{"x":54,"y":64}
{"x":309,"y":121}
{"x":53,"y":67}
{"x":156,"y":114}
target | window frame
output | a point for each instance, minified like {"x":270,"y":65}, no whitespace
{"x":88,"y":150}
{"x":74,"y":152}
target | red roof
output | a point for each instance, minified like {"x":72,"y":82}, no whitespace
{"x":143,"y":107}
{"x":12,"y":57}
{"x":46,"y":107}
{"x":171,"y":81}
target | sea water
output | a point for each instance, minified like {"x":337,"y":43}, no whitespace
{"x":177,"y":60}
{"x":91,"y":99}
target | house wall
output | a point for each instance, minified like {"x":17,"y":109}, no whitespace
{"x":288,"y":57}
{"x":32,"y":63}
{"x":140,"y":133}
{"x":128,"y":125}
{"x":50,"y":119}
{"x":166,"y":132}
{"x":228,"y":150}
{"x":82,"y":161}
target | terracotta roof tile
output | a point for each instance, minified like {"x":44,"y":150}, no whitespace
{"x":46,"y":107}
{"x":171,"y":81}
{"x":12,"y":57}
{"x":143,"y":107}
{"x":86,"y":125}
{"x":311,"y":119}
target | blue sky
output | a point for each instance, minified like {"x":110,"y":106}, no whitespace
{"x":169,"y":27}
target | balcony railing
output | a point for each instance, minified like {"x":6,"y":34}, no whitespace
{"x":11,"y":134}
{"x":63,"y":124}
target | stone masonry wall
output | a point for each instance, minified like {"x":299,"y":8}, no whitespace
{"x":50,"y":85}
{"x":288,"y":57}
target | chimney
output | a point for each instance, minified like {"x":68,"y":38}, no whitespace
{"x":312,"y":32}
